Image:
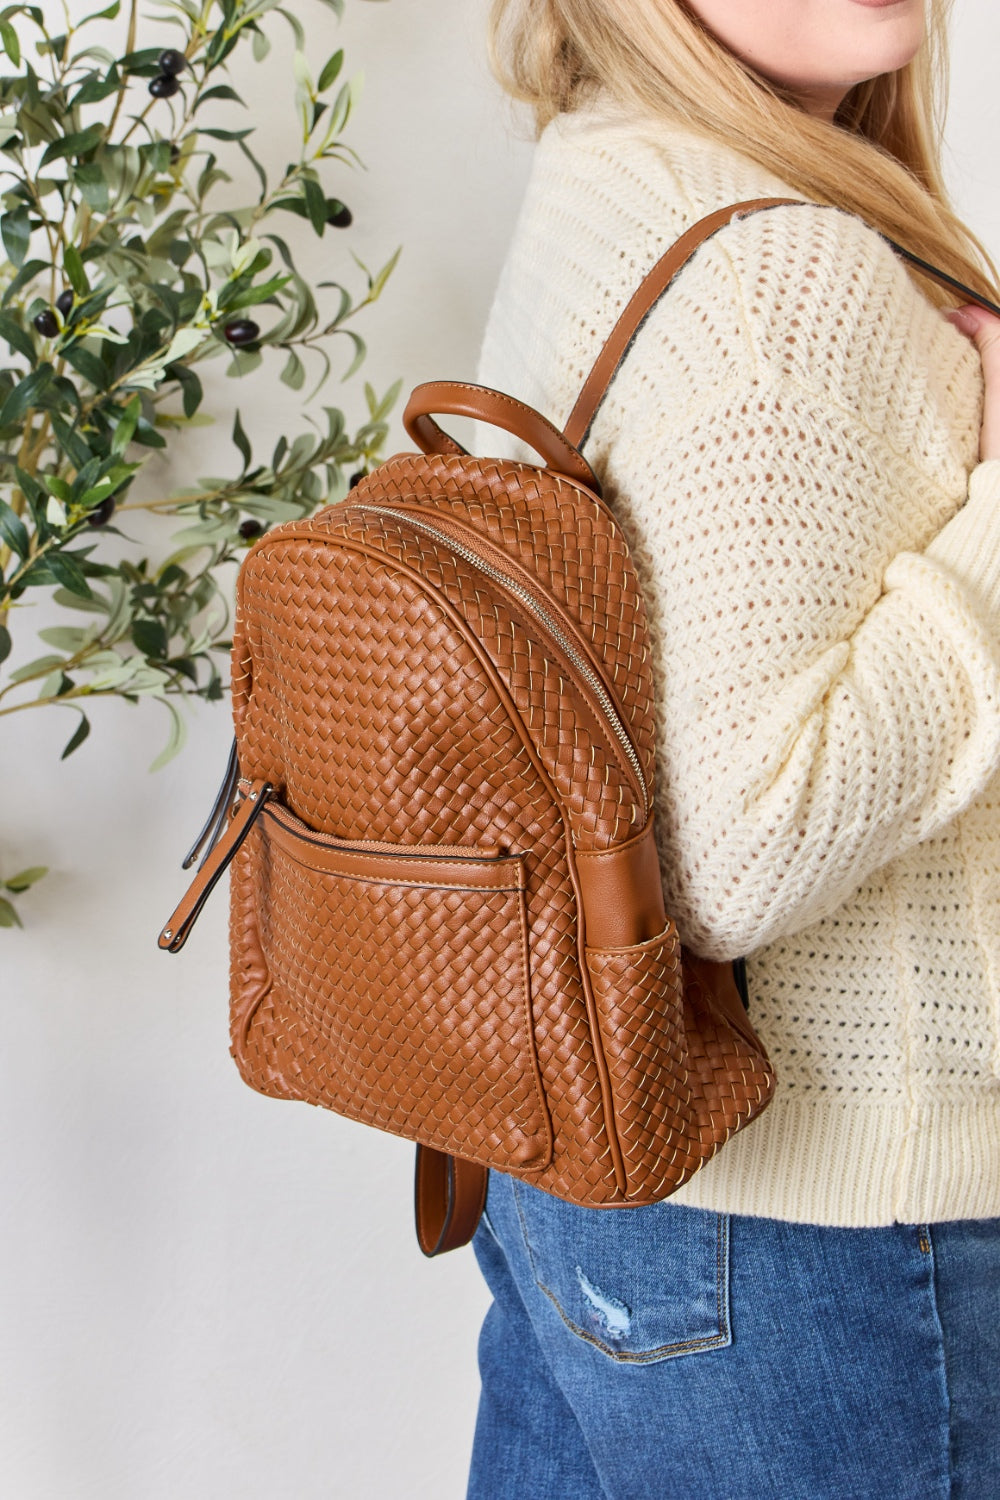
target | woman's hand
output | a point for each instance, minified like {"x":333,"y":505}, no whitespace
{"x":984,"y":330}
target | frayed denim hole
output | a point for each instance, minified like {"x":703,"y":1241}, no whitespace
{"x":636,"y":1301}
{"x":612,"y":1317}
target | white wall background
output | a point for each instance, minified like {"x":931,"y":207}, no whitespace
{"x":205,"y":1293}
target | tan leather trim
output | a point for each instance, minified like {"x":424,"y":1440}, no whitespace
{"x":178,"y":927}
{"x":419,"y":866}
{"x":460,"y":399}
{"x":594,"y":1025}
{"x":622,"y":893}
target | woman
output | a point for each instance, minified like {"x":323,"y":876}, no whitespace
{"x":800,"y":450}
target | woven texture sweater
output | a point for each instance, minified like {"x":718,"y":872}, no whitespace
{"x":792,"y":450}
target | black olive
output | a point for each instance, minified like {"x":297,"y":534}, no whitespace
{"x":339,"y":215}
{"x":251,"y":528}
{"x":47,"y":323}
{"x":163,"y":86}
{"x":175,"y":153}
{"x":64,"y":302}
{"x":171,"y":62}
{"x":102,"y":513}
{"x":357,"y":478}
{"x":241,"y":331}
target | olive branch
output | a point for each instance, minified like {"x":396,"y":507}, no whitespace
{"x":128,"y":267}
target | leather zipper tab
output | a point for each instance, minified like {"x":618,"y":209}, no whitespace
{"x":248,"y":810}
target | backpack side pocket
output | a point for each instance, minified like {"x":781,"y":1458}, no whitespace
{"x":683,"y":1079}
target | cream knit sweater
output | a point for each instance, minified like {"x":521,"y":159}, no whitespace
{"x":792,"y":449}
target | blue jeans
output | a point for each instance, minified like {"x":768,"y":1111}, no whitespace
{"x":647,"y":1353}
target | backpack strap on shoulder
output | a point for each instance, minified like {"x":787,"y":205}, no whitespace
{"x":561,"y":450}
{"x":641,"y":304}
{"x":656,"y":282}
{"x":450,"y":1193}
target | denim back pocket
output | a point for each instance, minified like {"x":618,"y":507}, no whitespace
{"x":639,"y":1284}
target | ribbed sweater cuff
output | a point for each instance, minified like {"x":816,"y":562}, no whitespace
{"x":969,"y":546}
{"x":826,"y":1162}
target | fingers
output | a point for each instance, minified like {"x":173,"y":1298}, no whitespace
{"x":981,"y":326}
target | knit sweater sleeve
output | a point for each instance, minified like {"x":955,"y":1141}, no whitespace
{"x":821,"y":569}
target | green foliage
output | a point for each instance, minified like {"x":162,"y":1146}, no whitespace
{"x":15,"y":886}
{"x":127,"y":266}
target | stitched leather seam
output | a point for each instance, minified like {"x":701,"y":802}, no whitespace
{"x":528,"y":1020}
{"x":597,"y":856}
{"x":518,"y":406}
{"x":446,"y":866}
{"x":594,"y":1024}
{"x":416,"y":885}
{"x":632,"y":948}
{"x":457,"y":854}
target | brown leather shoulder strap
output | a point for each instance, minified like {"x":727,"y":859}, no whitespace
{"x":638,"y":309}
{"x":449,"y":1198}
{"x":657,"y":281}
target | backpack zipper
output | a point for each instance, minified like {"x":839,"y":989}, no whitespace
{"x":545,"y":619}
{"x":453,"y":853}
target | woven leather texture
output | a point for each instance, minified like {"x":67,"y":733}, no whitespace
{"x":375,"y":1036}
{"x":395,"y":694}
{"x":683,"y":1082}
{"x":531,"y":514}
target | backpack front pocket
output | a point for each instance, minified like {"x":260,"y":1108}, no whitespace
{"x":390,"y":984}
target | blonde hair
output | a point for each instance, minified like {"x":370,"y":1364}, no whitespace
{"x":880,"y":158}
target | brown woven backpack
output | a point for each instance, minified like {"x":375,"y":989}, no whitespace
{"x":447,"y":916}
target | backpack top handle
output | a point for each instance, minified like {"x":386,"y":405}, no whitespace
{"x":460,"y":399}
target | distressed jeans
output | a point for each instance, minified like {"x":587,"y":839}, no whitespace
{"x":647,"y":1353}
